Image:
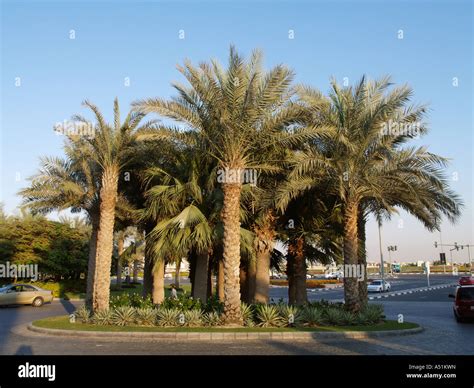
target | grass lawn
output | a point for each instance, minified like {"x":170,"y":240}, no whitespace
{"x":62,"y":322}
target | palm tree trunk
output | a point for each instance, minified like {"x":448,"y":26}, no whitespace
{"x":298,"y":272}
{"x":244,"y":292}
{"x":220,"y":281}
{"x":290,"y":276}
{"x":200,"y":276}
{"x":148,"y":267}
{"x":251,"y":279}
{"x":265,"y":236}
{"x":351,"y":256}
{"x":105,"y":239}
{"x":231,"y":220}
{"x":120,"y":243}
{"x":363,"y":293}
{"x":209,"y":280}
{"x":92,"y":258}
{"x":262,"y":278}
{"x":177,"y":272}
{"x":135,"y":271}
{"x":158,"y":292}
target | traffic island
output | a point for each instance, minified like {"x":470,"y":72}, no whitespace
{"x":60,"y":326}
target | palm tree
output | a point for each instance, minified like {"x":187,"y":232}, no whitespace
{"x":365,"y":164}
{"x":70,"y":183}
{"x":177,"y":201}
{"x":235,"y":112}
{"x":108,"y":148}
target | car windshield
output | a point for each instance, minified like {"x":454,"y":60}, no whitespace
{"x":376,"y":283}
{"x":466,"y":293}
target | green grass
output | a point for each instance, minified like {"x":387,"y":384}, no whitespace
{"x":62,"y":322}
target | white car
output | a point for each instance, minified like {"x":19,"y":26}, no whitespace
{"x":334,"y":275}
{"x":377,"y":286}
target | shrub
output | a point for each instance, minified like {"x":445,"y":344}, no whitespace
{"x":268,"y":316}
{"x":334,"y":316}
{"x":211,"y":319}
{"x":213,"y":304}
{"x":312,"y":316}
{"x":145,"y":316}
{"x":168,"y":317}
{"x":184,"y":302}
{"x":83,"y":314}
{"x":103,"y":317}
{"x":123,"y":316}
{"x":373,"y":313}
{"x":193,"y":318}
{"x":246,"y":311}
{"x":348,"y":318}
{"x":131,"y":300}
{"x":286,"y":312}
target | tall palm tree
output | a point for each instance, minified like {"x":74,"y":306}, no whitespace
{"x":364,"y":163}
{"x":70,"y":183}
{"x":109,"y":148}
{"x":236,"y":111}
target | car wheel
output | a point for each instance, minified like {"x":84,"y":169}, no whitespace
{"x":38,"y":302}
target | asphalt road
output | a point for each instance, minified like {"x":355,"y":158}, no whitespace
{"x":432,"y":309}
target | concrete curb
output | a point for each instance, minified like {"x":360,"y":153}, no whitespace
{"x":220,"y":336}
{"x":411,"y":291}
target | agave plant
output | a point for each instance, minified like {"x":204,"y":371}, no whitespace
{"x":123,"y":316}
{"x":291,"y":315}
{"x":312,"y":316}
{"x":83,"y":314}
{"x":145,"y":316}
{"x":211,"y":319}
{"x":246,"y":311}
{"x":348,"y":318}
{"x":168,"y":317}
{"x":334,"y":316}
{"x":371,"y":314}
{"x":103,"y":317}
{"x":268,"y":316}
{"x":193,"y":318}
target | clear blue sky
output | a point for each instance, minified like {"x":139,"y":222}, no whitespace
{"x":141,"y":41}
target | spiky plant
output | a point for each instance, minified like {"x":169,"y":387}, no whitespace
{"x":83,"y":314}
{"x":123,"y":316}
{"x":371,"y":314}
{"x":348,"y":318}
{"x":168,"y":317}
{"x":312,"y":316}
{"x":247,"y":312}
{"x":211,"y":318}
{"x":103,"y":317}
{"x":334,"y":316}
{"x":193,"y":318}
{"x":291,"y":315}
{"x":267,"y":316}
{"x":145,"y":316}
